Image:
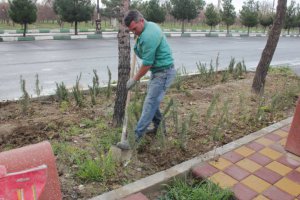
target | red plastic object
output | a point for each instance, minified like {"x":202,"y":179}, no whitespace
{"x":24,"y":185}
{"x":293,"y":141}
{"x":33,"y":156}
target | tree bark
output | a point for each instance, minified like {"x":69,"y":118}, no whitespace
{"x":268,"y":52}
{"x":123,"y":67}
{"x":76,"y":32}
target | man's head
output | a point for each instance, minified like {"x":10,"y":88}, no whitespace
{"x":135,"y":22}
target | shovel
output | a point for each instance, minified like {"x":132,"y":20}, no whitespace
{"x":121,"y":152}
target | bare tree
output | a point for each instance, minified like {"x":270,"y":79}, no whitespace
{"x":268,"y":52}
{"x":123,"y":67}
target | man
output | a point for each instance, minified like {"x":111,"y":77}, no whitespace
{"x":154,"y":51}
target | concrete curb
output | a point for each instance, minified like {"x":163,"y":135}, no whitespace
{"x":155,"y":181}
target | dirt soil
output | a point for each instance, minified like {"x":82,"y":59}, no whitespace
{"x":79,"y":133}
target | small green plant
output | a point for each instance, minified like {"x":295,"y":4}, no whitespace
{"x":225,"y":76}
{"x":186,"y":123}
{"x":99,"y":169}
{"x":25,"y":99}
{"x":231,"y":65}
{"x":62,"y":92}
{"x":77,"y":93}
{"x":212,"y":107}
{"x":63,"y":106}
{"x":194,"y":190}
{"x":108,"y":91}
{"x":38,"y":88}
{"x":282,"y":70}
{"x":95,"y":89}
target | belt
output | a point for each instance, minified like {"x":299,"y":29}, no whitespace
{"x":164,"y":69}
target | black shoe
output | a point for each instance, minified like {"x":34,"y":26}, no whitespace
{"x":151,"y":131}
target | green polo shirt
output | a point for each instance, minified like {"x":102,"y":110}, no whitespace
{"x":152,"y":47}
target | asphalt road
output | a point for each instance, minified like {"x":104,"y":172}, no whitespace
{"x":57,"y":61}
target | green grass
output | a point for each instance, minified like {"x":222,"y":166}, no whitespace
{"x":203,"y":190}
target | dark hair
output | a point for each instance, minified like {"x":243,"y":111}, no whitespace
{"x":132,"y":15}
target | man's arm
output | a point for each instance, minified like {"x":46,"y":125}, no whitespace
{"x":142,"y":71}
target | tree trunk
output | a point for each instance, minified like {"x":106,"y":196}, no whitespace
{"x":75,"y":28}
{"x":268,"y":52}
{"x":123,"y":67}
{"x":24,"y":31}
{"x":182,"y":27}
{"x":248,"y":30}
{"x":227,"y":29}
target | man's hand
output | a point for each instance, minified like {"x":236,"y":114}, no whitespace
{"x":130,"y":83}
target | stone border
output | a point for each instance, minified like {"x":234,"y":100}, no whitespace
{"x":46,"y":35}
{"x":154,"y":182}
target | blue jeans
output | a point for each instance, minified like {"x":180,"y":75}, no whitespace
{"x":157,"y":86}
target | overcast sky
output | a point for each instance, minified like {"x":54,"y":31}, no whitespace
{"x":239,"y":3}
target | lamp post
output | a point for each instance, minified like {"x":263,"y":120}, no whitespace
{"x":98,"y":20}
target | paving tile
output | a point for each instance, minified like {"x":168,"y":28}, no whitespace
{"x":244,"y":151}
{"x":286,"y":128}
{"x":204,"y":171}
{"x":274,"y":137}
{"x":248,"y":165}
{"x":255,"y":146}
{"x":268,"y":175}
{"x":276,"y":194}
{"x":279,"y":168}
{"x":260,"y":197}
{"x":278,"y":147}
{"x":243,"y":192}
{"x":221,"y":163}
{"x":255,"y":183}
{"x":289,"y":186}
{"x":264,"y":141}
{"x":282,"y":142}
{"x":223,"y":180}
{"x":236,"y":172}
{"x":270,"y":153}
{"x":137,"y":196}
{"x":298,"y":169}
{"x":233,"y":156}
{"x":260,"y":159}
{"x":289,"y":162}
{"x":294,"y":176}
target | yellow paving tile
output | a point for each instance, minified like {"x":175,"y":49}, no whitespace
{"x":260,"y":197}
{"x":256,"y":183}
{"x":288,"y":186}
{"x":282,"y":142}
{"x":248,"y":165}
{"x":281,"y":133}
{"x":220,"y":164}
{"x":244,"y":151}
{"x":298,"y":169}
{"x":274,"y":155}
{"x":293,"y":156}
{"x":264,"y":141}
{"x":279,"y":168}
{"x":223,"y":180}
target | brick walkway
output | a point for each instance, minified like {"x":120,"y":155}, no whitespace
{"x":258,"y":170}
{"x":261,"y":169}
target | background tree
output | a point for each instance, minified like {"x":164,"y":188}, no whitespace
{"x":123,"y":67}
{"x":249,"y":14}
{"x":298,"y":18}
{"x":290,"y":17}
{"x":4,"y":17}
{"x":212,"y":16}
{"x":228,"y":13}
{"x":186,"y":10}
{"x":265,"y":14}
{"x":112,"y":8}
{"x":268,"y":52}
{"x":22,"y":12}
{"x":74,"y":11}
{"x":154,"y":12}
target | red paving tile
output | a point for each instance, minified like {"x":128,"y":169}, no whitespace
{"x":268,"y":175}
{"x":255,"y":146}
{"x":204,"y":171}
{"x":260,"y":159}
{"x":289,"y":162}
{"x":233,"y":156}
{"x":294,"y":176}
{"x":236,"y":172}
{"x":273,"y":137}
{"x":137,"y":196}
{"x":276,"y":194}
{"x":277,"y":147}
{"x":243,"y":192}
